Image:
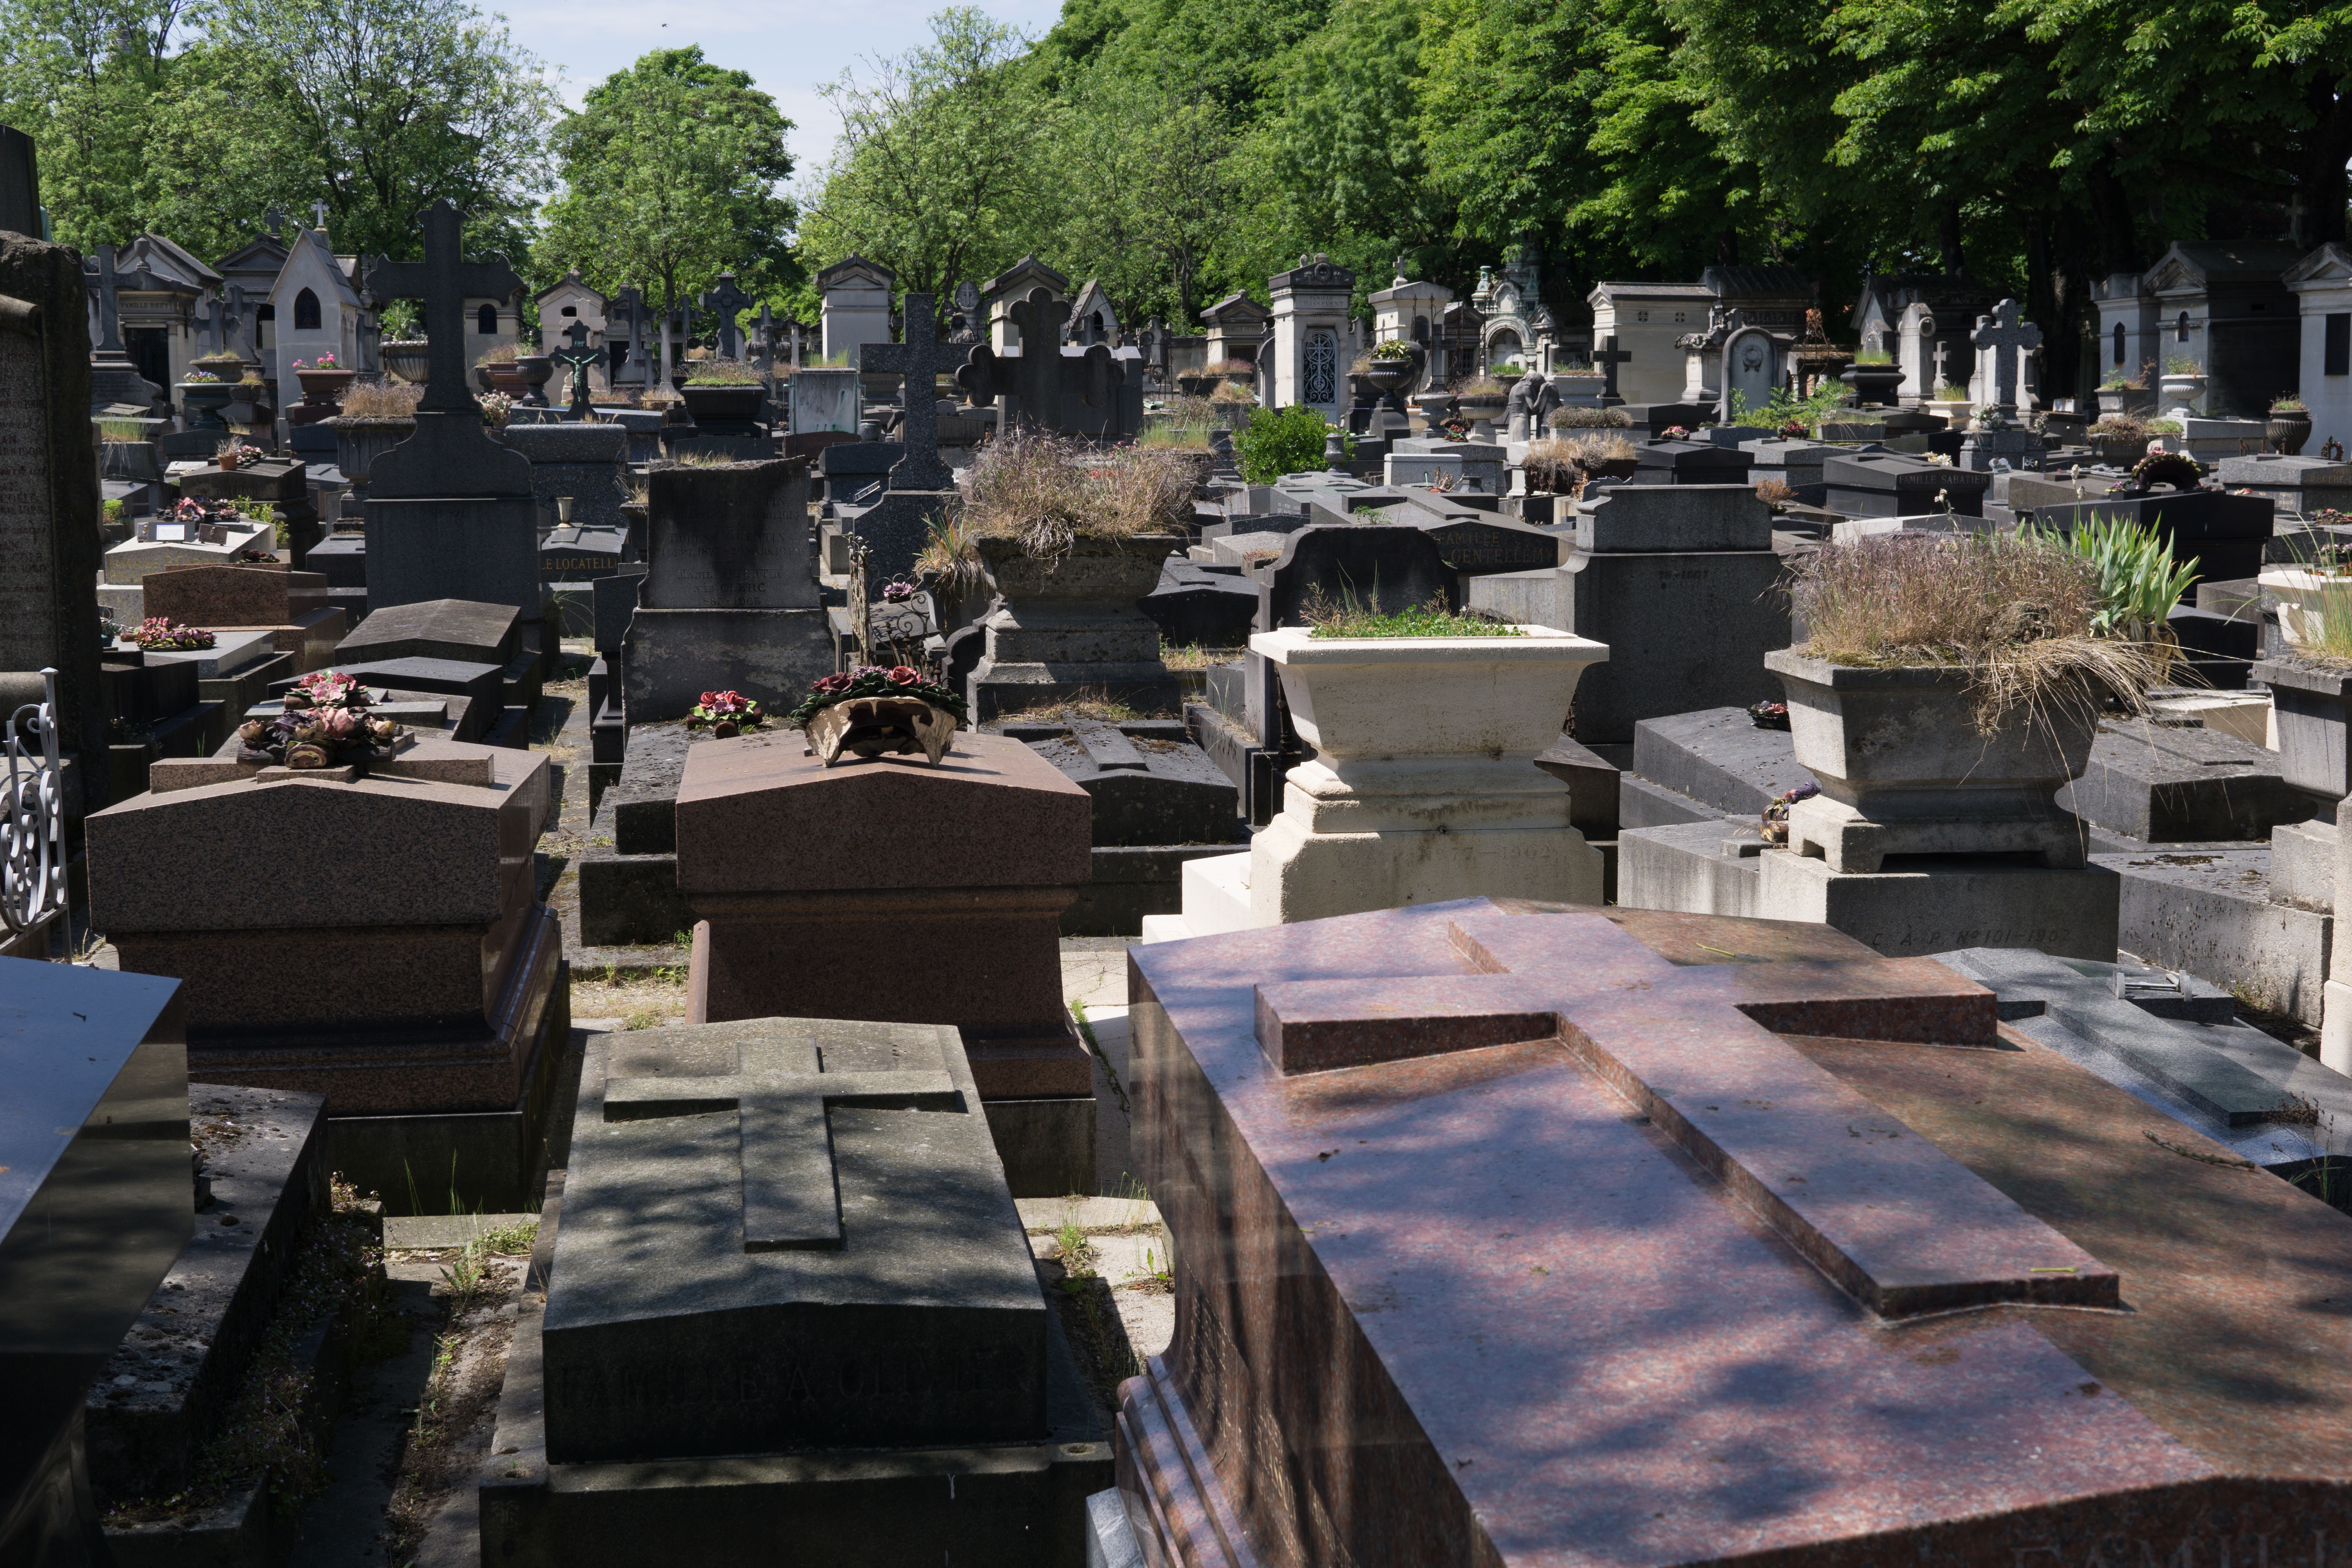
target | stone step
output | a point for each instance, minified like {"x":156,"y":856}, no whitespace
{"x":1217,"y":894}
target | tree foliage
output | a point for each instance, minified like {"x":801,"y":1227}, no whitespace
{"x":150,"y":115}
{"x":670,"y":171}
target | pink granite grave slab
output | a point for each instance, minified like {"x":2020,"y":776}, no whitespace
{"x":1550,"y":1300}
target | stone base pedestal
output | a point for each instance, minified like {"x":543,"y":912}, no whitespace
{"x":1917,"y":905}
{"x":674,"y":656}
{"x":2303,"y":864}
{"x":1389,"y":834}
{"x":1939,"y":823}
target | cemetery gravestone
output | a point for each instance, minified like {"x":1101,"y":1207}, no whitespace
{"x":809,"y":884}
{"x":439,"y":1036}
{"x":731,"y":601}
{"x":95,"y":1203}
{"x":1894,"y":484}
{"x":788,"y":1277}
{"x":292,"y":605}
{"x":587,"y":463}
{"x":897,"y":524}
{"x":1679,"y":582}
{"x":1071,"y":392}
{"x":48,"y":490}
{"x":1715,"y":1031}
{"x":1672,"y":461}
{"x":1069,"y":629}
{"x":450,"y":511}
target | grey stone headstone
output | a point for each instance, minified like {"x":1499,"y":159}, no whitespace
{"x":460,"y":629}
{"x":730,"y":537}
{"x":753,"y":1261}
{"x":588,"y":463}
{"x":1663,"y":519}
{"x":1378,"y":568}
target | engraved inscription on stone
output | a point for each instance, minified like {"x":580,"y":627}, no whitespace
{"x":28,"y":597}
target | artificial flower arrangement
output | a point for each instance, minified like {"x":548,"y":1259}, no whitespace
{"x":1675,"y":433}
{"x":496,"y":406}
{"x":727,"y":713}
{"x":234,"y":453}
{"x":200,"y":376}
{"x":326,"y":724}
{"x":1775,"y":824}
{"x":161,"y":634}
{"x":873,"y":710}
{"x":324,"y":362}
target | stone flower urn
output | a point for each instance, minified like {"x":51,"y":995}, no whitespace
{"x":325,"y":386}
{"x":2287,"y":429}
{"x":1904,"y":771}
{"x":1423,"y":786}
{"x":407,"y":358}
{"x":535,"y":370}
{"x":1391,"y":376}
{"x":1482,"y":409}
{"x":2178,"y":392}
{"x":1069,"y":626}
{"x":1874,"y":385}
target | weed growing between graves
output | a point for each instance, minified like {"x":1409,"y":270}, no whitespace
{"x":455,"y":1413}
{"x":1193,"y":659}
{"x":1086,"y":1030}
{"x":1349,"y":618}
{"x":1086,"y":704}
{"x":641,"y":999}
{"x":269,"y":1433}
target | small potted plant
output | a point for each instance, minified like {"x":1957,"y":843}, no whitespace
{"x":725,"y":714}
{"x":2121,"y":394}
{"x":2183,"y":385}
{"x":2289,"y":426}
{"x":1552,"y":468}
{"x":236,"y":453}
{"x":497,"y":408}
{"x":872,"y":711}
{"x":161,"y":634}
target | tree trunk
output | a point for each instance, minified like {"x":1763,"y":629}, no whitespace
{"x":2119,"y":249}
{"x":1947,"y":223}
{"x":2320,"y":189}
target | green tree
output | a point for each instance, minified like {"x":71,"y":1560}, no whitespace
{"x":1146,"y":182}
{"x":937,"y":172}
{"x":670,"y":173}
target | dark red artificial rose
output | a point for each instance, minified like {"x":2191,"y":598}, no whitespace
{"x":709,"y":698}
{"x":905,"y":675}
{"x":827,"y":686}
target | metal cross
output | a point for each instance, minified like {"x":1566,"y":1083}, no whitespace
{"x":791,"y":1192}
{"x":443,"y":281}
{"x":726,"y":301}
{"x":919,"y":360}
{"x":2008,"y":338}
{"x":579,"y":356}
{"x":318,"y":211}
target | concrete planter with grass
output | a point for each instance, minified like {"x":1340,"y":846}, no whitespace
{"x":1423,"y":786}
{"x":1904,"y":771}
{"x":1069,"y":629}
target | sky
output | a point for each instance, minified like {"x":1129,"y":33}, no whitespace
{"x":790,"y":47}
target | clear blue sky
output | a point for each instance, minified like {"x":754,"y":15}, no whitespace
{"x":790,"y":47}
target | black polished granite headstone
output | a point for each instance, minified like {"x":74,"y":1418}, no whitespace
{"x":1471,"y":539}
{"x":754,"y":1261}
{"x":1368,"y":566}
{"x":1895,"y":484}
{"x":1669,"y":461}
{"x":97,"y":1199}
{"x":1196,"y":607}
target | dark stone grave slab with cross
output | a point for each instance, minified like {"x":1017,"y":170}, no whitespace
{"x":1786,"y":1250}
{"x":787,"y":1234}
{"x":1089,"y":391}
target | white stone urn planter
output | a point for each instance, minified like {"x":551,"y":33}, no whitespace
{"x":2177,"y":393}
{"x":2302,"y":597}
{"x":1903,"y":770}
{"x":1424,"y":786}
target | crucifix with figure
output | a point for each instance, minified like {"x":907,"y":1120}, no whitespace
{"x":579,"y":356}
{"x":920,"y":360}
{"x":443,"y":281}
{"x":780,"y":1096}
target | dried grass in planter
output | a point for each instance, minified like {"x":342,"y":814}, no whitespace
{"x":1552,"y":467}
{"x":382,"y":402}
{"x":2015,"y":612}
{"x":1589,"y":450}
{"x":1049,"y":492}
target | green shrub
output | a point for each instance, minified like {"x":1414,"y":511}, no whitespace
{"x":1283,"y":441}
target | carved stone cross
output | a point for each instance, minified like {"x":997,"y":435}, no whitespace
{"x":109,"y":306}
{"x":725,"y":300}
{"x":633,"y":367}
{"x":578,"y":355}
{"x":791,"y":1197}
{"x":1041,"y":376}
{"x":1609,"y":357}
{"x":1896,"y":1223}
{"x":919,"y":359}
{"x":443,"y":281}
{"x":2008,"y":338}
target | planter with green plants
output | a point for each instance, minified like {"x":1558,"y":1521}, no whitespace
{"x":1284,"y":441}
{"x":1875,"y":378}
{"x":2182,"y":384}
{"x":723,"y":393}
{"x":1950,"y":686}
{"x":2121,"y":394}
{"x":1072,"y":536}
{"x":2289,"y":426}
{"x":1393,"y":366}
{"x":1426,"y":723}
{"x":2311,"y":681}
